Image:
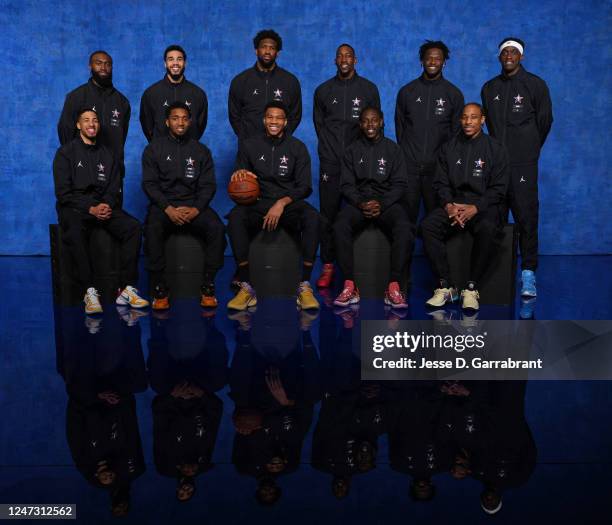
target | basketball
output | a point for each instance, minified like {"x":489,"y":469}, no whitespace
{"x":244,"y":191}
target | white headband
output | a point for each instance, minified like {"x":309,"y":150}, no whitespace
{"x":512,"y":43}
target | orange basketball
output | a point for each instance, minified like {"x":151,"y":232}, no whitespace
{"x":244,"y":191}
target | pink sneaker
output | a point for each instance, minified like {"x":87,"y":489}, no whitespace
{"x":394,"y":297}
{"x":349,"y":295}
{"x":326,"y":277}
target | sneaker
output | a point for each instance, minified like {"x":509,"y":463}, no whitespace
{"x":527,"y":310}
{"x":394,"y":297}
{"x":92,"y":301}
{"x":160,"y":298}
{"x":307,"y":317}
{"x":528,"y":279}
{"x":469,"y":299}
{"x":244,"y":299}
{"x":442,"y":296}
{"x":208,"y":299}
{"x":129,"y":297}
{"x":326,"y":277}
{"x":349,"y":295}
{"x":243,"y":318}
{"x":129,"y":315}
{"x":348,"y":314}
{"x":305,"y":297}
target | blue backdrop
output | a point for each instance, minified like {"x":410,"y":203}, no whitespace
{"x":45,"y":47}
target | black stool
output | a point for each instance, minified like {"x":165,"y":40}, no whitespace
{"x":372,"y":262}
{"x":498,"y":284}
{"x":275,"y":263}
{"x":105,"y":260}
{"x":185,"y":256}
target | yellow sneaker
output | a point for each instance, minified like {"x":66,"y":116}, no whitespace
{"x":92,"y":301}
{"x":306,"y":299}
{"x":129,"y":297}
{"x":469,"y":299}
{"x":244,"y":299}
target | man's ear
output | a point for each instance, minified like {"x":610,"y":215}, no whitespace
{"x":167,"y":123}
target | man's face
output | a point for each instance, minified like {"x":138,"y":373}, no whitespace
{"x":178,"y":122}
{"x":345,"y":61}
{"x":472,"y":120}
{"x":510,"y":59}
{"x":432,"y":62}
{"x":267,"y":52}
{"x":175,"y":64}
{"x":371,"y":124}
{"x":275,"y":122}
{"x":88,"y":124}
{"x":101,"y":66}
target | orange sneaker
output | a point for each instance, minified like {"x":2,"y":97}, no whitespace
{"x":208,"y":299}
{"x":160,"y":298}
{"x":326,"y":277}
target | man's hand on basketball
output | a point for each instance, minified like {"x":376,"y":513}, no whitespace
{"x":188,"y":213}
{"x":241,"y":175}
{"x":271,"y":218}
{"x":175,"y":215}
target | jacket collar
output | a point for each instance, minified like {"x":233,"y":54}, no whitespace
{"x":427,"y":82}
{"x":521,"y":73}
{"x":349,"y":82}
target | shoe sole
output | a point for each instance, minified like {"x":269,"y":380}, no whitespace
{"x":527,"y":293}
{"x":393,"y":305}
{"x":472,"y":308}
{"x":121,"y":301}
{"x":354,"y":300}
{"x":90,"y":312}
{"x":312,"y":307}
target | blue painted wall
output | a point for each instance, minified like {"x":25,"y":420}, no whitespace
{"x":45,"y":46}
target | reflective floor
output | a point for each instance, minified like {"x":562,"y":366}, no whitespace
{"x":262,"y":416}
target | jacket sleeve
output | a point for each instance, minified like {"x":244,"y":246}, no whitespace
{"x":348,"y":184}
{"x":150,"y":179}
{"x":399,"y":118}
{"x":303,"y":175}
{"x":458,"y":105}
{"x":242,"y":158}
{"x":399,"y":181}
{"x":295,"y":111}
{"x":234,"y":108}
{"x":543,"y":107}
{"x":498,"y":181}
{"x":147,"y":119}
{"x":202,"y":117}
{"x":441,"y":183}
{"x":318,"y":112}
{"x":126,"y":125}
{"x":66,"y":128}
{"x":64,"y":192}
{"x":111,"y":193}
{"x":485,"y":106}
{"x":207,"y":185}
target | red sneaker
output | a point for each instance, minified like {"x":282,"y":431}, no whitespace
{"x":394,"y":297}
{"x":349,"y":295}
{"x":326,"y":277}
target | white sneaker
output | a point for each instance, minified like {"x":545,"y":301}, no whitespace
{"x":442,"y":296}
{"x":469,"y":299}
{"x":92,"y":301}
{"x":129,"y":297}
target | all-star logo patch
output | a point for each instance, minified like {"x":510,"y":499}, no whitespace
{"x":479,"y":165}
{"x":115,"y":119}
{"x":278,"y":94}
{"x":356,"y":108}
{"x":440,"y":107}
{"x":80,"y":164}
{"x":190,"y":168}
{"x":517,"y":103}
{"x":283,"y":166}
{"x":382,"y":166}
{"x":101,"y":172}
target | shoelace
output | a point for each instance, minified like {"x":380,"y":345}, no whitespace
{"x":346,"y":293}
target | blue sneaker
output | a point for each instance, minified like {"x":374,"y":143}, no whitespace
{"x":529,"y":284}
{"x":527,"y":310}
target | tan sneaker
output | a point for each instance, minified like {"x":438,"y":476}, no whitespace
{"x":92,"y":301}
{"x":306,"y":299}
{"x":469,"y":299}
{"x":129,"y":297}
{"x":442,"y":296}
{"x":244,"y":299}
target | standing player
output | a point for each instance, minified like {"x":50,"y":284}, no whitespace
{"x":373,"y":183}
{"x":519,"y":114}
{"x":174,"y":87}
{"x":265,"y":82}
{"x":112,"y":107}
{"x":87,"y":184}
{"x":337,"y":107}
{"x":426,"y":116}
{"x":178,"y":177}
{"x":281,"y":164}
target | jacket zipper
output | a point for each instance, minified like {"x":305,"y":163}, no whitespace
{"x":506,"y":100}
{"x":467,"y":163}
{"x":427,"y":109}
{"x":343,"y":117}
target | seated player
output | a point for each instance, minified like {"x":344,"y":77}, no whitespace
{"x":87,"y":188}
{"x":178,"y":177}
{"x":281,"y":164}
{"x":373,"y":181}
{"x":470,"y":183}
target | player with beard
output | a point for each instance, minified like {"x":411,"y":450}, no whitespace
{"x":112,"y":107}
{"x":266,"y":81}
{"x":174,"y":87}
{"x":519,"y":114}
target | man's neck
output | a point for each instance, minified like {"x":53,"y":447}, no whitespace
{"x":87,"y":140}
{"x":477,"y":135}
{"x":265,"y":69}
{"x":430,"y":78}
{"x":346,"y":77}
{"x":172,"y":81}
{"x":513,"y":72}
{"x":275,"y":137}
{"x":375,"y":139}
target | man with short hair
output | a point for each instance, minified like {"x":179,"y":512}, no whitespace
{"x":266,"y":81}
{"x":281,"y":164}
{"x":174,"y":87}
{"x":87,"y":183}
{"x":426,"y":116}
{"x":470,"y":183}
{"x":519,"y":114}
{"x":373,"y":182}
{"x":111,"y":106}
{"x":178,"y":177}
{"x":338,"y":103}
